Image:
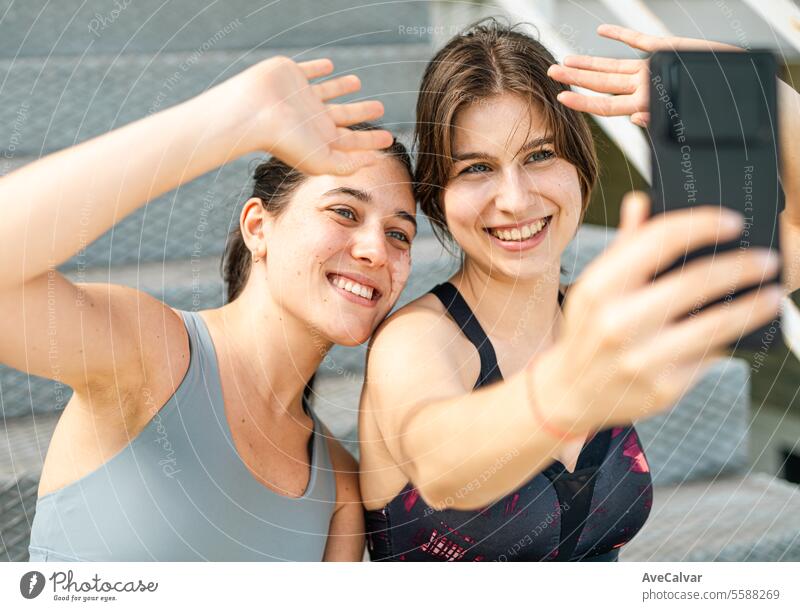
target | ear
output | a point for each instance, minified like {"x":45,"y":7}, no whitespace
{"x":253,"y":223}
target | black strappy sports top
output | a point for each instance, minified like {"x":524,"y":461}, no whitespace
{"x":556,"y":515}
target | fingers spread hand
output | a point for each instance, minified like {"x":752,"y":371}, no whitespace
{"x":646,"y":42}
{"x":602,"y":82}
{"x":701,"y":281}
{"x":603,"y":105}
{"x":335,"y":87}
{"x":316,"y":68}
{"x":604,"y":64}
{"x":350,"y":114}
{"x":632,"y":38}
{"x":717,"y":326}
{"x":661,"y":240}
{"x":366,"y":140}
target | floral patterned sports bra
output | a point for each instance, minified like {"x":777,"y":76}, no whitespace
{"x":587,"y":515}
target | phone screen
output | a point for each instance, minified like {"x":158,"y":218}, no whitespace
{"x":703,"y":83}
{"x":713,"y":129}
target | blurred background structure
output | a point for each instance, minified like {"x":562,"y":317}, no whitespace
{"x":724,"y":460}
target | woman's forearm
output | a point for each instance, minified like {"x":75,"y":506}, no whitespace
{"x":467,"y":452}
{"x":54,"y":206}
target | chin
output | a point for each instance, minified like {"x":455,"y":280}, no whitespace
{"x":350,"y":335}
{"x":534,"y":269}
{"x":518,"y":269}
{"x":350,"y":341}
{"x":532,"y":265}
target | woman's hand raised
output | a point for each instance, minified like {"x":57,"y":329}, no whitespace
{"x":276,"y":109}
{"x":627,"y":79}
{"x":630,"y":345}
{"x":268,"y":107}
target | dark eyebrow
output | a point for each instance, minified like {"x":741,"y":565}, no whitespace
{"x":471,"y":155}
{"x":408,"y":217}
{"x":530,"y":145}
{"x":357,"y":193}
{"x":367,"y":198}
{"x":536,"y":143}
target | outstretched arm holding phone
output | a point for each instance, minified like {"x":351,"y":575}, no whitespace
{"x":628,"y":81}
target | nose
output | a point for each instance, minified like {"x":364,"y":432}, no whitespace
{"x":369,"y":246}
{"x":513,"y":193}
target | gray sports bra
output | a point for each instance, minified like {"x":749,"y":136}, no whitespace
{"x":179,"y":490}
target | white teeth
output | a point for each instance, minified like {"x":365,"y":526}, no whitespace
{"x":518,"y":234}
{"x":353,"y":287}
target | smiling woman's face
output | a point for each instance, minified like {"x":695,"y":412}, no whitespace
{"x":511,"y":204}
{"x":339,"y":254}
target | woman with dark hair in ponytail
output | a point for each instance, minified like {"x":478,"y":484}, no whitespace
{"x":188,"y":436}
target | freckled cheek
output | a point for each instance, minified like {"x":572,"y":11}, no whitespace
{"x":324,"y":245}
{"x":400,"y":269}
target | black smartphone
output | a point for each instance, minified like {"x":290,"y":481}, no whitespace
{"x":714,"y":141}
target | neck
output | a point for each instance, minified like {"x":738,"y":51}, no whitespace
{"x":272,"y":353}
{"x":510,"y":309}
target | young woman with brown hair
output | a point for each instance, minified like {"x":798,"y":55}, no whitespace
{"x":188,"y":436}
{"x":494,"y":425}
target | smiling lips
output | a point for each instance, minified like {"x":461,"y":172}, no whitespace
{"x":519,"y":233}
{"x":525,"y":236}
{"x":358,"y":292}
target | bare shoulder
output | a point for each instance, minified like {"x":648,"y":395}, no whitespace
{"x":159,"y":329}
{"x":145,"y":346}
{"x":97,"y":334}
{"x":422,"y":328}
{"x":137,"y":312}
{"x":136,"y":322}
{"x":156,"y":333}
{"x":418,"y":354}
